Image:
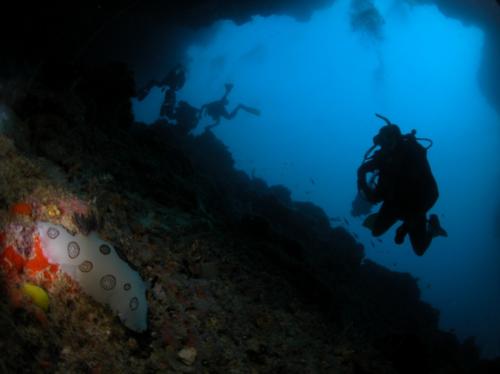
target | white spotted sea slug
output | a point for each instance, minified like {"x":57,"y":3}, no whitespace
{"x":96,"y":266}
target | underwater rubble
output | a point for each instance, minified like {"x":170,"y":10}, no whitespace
{"x":241,"y":278}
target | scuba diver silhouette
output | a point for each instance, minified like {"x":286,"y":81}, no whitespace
{"x":401,"y":178}
{"x":217,"y":109}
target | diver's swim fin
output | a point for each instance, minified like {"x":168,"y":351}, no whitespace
{"x":435,"y":227}
{"x":369,"y":221}
{"x":250,"y":110}
{"x":401,"y":233}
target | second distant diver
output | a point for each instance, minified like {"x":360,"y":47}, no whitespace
{"x":217,"y":109}
{"x":401,"y":178}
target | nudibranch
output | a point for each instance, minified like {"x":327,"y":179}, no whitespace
{"x":39,"y":253}
{"x":99,"y":270}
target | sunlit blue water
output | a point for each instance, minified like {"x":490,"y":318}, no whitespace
{"x":318,"y":85}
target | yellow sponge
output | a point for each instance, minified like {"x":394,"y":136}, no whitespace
{"x":37,"y":295}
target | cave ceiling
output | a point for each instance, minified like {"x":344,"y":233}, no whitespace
{"x":152,"y":34}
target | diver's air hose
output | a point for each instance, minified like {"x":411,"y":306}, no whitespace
{"x":367,"y":153}
{"x":413,"y":132}
{"x":384,"y":118}
{"x":431,"y":143}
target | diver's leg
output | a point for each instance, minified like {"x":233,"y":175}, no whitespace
{"x":420,"y":237}
{"x":386,"y":217}
{"x":248,"y":109}
{"x":233,"y":113}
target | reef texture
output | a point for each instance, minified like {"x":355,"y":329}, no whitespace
{"x":242,"y":278}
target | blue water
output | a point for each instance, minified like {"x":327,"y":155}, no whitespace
{"x":318,"y":85}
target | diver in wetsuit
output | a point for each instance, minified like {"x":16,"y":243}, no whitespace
{"x":404,"y":184}
{"x":217,"y":109}
{"x":175,"y":80}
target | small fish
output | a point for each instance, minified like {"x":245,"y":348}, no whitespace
{"x":429,"y":285}
{"x":379,"y":240}
{"x":346,"y":221}
{"x":312,"y":181}
{"x":308,"y":192}
{"x":334,"y":219}
{"x":394,"y":264}
{"x":355,"y":235}
{"x":372,"y":243}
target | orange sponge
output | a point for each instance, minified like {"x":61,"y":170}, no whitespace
{"x":22,"y":209}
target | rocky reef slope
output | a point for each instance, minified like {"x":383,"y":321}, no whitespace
{"x":241,"y":278}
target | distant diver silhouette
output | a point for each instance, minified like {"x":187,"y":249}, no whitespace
{"x":175,"y":80}
{"x":403,"y":181}
{"x":217,"y":109}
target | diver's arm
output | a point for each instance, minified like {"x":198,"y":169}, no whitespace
{"x":364,"y":169}
{"x":367,"y":167}
{"x":363,"y":186}
{"x":229,"y":88}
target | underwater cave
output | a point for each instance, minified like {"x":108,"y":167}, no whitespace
{"x":211,"y":152}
